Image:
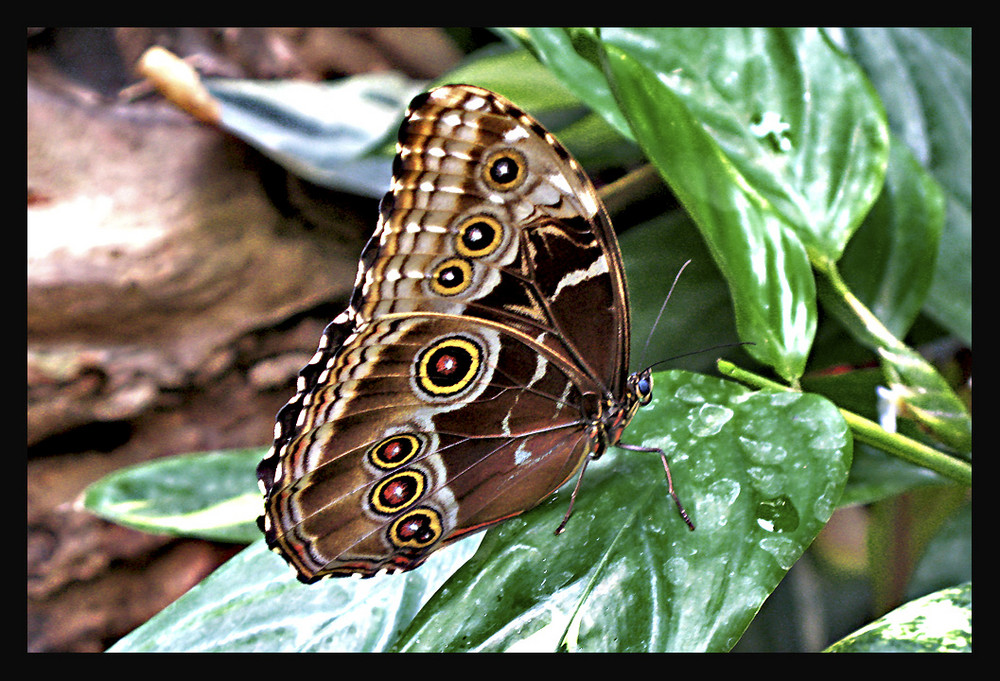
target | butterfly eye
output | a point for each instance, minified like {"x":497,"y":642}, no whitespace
{"x":505,"y":170}
{"x":644,"y":388}
{"x":395,"y":451}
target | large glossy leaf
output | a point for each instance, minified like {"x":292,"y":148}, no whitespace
{"x":795,"y":118}
{"x":765,"y":264}
{"x":254,"y":604}
{"x":760,"y":474}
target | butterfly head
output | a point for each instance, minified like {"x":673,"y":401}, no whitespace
{"x":639,"y":387}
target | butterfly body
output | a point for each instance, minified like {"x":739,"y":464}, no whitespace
{"x":482,"y":358}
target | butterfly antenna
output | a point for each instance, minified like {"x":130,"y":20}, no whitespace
{"x":663,"y":308}
{"x":698,"y":352}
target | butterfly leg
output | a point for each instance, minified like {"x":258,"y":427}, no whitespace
{"x":572,"y":497}
{"x":670,"y":482}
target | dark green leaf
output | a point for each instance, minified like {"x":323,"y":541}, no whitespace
{"x":924,"y":76}
{"x":699,"y":314}
{"x":889,"y":264}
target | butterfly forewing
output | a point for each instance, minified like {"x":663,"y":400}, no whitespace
{"x":474,"y":371}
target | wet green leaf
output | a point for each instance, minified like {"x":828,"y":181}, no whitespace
{"x":760,"y":474}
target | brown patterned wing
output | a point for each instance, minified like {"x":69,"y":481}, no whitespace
{"x":463,"y":383}
{"x":493,"y":218}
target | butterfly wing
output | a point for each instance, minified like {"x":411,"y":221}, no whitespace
{"x":460,"y":387}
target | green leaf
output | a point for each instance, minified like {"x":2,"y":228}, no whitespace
{"x":924,"y":76}
{"x":699,"y":314}
{"x":765,"y":264}
{"x":939,"y":622}
{"x":760,"y":474}
{"x":890,"y":262}
{"x":321,"y":132}
{"x":796,"y":119}
{"x":573,"y":56}
{"x":210,"y":495}
{"x":253,"y":603}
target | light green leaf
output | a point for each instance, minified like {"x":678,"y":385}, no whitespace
{"x":940,"y":622}
{"x":253,"y":603}
{"x":211,"y":495}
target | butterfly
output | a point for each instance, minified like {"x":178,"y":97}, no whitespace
{"x":482,"y":359}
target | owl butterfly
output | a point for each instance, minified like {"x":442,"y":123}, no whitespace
{"x":481,"y":362}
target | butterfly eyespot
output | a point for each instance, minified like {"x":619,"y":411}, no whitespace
{"x":505,"y":170}
{"x":416,"y":529}
{"x":451,"y":277}
{"x":478,"y":236}
{"x":395,"y":451}
{"x":397,"y":491}
{"x":448,"y":366}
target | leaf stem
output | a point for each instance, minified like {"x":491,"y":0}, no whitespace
{"x":871,"y":433}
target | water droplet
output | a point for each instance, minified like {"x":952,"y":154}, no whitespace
{"x":752,"y":594}
{"x":784,"y":550}
{"x":709,"y":419}
{"x":762,"y":451}
{"x":688,"y":393}
{"x":768,"y":480}
{"x":713,"y":510}
{"x":777,"y":515}
{"x":676,"y":570}
{"x":826,"y":502}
